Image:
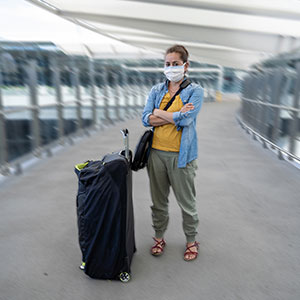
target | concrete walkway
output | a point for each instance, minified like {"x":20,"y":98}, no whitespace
{"x":249,"y":206}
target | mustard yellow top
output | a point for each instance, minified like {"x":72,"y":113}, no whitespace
{"x":166,"y":137}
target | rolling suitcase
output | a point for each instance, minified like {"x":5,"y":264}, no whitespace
{"x":105,"y":215}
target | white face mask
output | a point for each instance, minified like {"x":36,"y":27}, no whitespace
{"x":175,"y":73}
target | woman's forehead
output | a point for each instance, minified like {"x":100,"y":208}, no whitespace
{"x":172,"y":57}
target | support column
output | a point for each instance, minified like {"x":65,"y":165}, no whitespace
{"x":276,"y":100}
{"x":254,"y":106}
{"x":105,"y":94}
{"x":133,"y":94}
{"x":93,"y":91}
{"x":59,"y":99}
{"x":296,"y":115}
{"x":125,"y":90}
{"x":32,"y":80}
{"x":117,"y":95}
{"x":263,"y":128}
{"x":4,"y":169}
{"x":220,"y":85}
{"x":75,"y":83}
{"x":136,"y":91}
{"x":140,"y":83}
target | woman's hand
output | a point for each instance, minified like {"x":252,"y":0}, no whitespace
{"x":155,"y":112}
{"x":187,"y":107}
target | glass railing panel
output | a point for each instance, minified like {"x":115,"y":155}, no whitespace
{"x":46,"y":95}
{"x":85,"y":92}
{"x":68,"y":93}
{"x":15,"y":96}
{"x":70,"y":119}
{"x":18,"y":133}
{"x":48,"y":125}
{"x":87,"y":113}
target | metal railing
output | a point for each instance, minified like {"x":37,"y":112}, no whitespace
{"x":33,"y":128}
{"x":270,"y":108}
{"x":281,"y":153}
{"x":50,"y":100}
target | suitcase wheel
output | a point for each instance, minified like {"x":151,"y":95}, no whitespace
{"x":124,"y":277}
{"x":82,"y":266}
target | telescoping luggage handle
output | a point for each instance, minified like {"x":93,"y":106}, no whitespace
{"x":125,"y":134}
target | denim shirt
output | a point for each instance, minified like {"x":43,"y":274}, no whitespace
{"x":186,"y":121}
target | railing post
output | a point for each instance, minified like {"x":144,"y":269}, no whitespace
{"x":140,"y":84}
{"x":211,"y":88}
{"x":93,"y":91}
{"x":32,"y":81}
{"x":264,"y":98}
{"x":133,"y":93}
{"x":247,"y":107}
{"x":148,"y":88}
{"x":117,"y":94}
{"x":126,"y":89}
{"x":59,"y":99}
{"x":105,"y":94}
{"x":78,"y":96}
{"x":207,"y":90}
{"x":220,"y":84}
{"x":277,"y":93}
{"x":203,"y":81}
{"x":144,"y":83}
{"x":255,"y":96}
{"x":296,"y":114}
{"x":245,"y":95}
{"x":4,"y":169}
{"x":252,"y":96}
{"x":136,"y":93}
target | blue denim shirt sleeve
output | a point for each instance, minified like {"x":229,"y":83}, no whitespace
{"x":149,"y":107}
{"x":185,"y":119}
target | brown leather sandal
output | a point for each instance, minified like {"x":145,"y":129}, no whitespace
{"x":159,"y":245}
{"x":188,"y":252}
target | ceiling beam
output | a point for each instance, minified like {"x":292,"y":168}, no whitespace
{"x":276,"y":8}
{"x":252,"y":41}
{"x":232,"y":58}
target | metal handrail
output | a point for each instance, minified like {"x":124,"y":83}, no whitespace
{"x":15,"y":110}
{"x":274,"y":146}
{"x":31,"y":107}
{"x":271,"y":105}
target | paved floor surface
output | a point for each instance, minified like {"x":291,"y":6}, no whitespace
{"x":249,"y":206}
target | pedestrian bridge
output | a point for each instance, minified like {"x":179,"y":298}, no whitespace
{"x":249,"y":209}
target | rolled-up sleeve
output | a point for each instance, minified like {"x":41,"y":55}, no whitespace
{"x":148,"y":109}
{"x":185,"y":119}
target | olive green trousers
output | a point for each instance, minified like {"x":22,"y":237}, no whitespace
{"x":163,"y":174}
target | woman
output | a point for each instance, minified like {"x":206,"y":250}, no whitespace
{"x":172,"y":160}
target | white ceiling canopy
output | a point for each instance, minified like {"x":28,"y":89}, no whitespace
{"x":226,"y":32}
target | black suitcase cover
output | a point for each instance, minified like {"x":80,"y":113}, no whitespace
{"x":105,"y":216}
